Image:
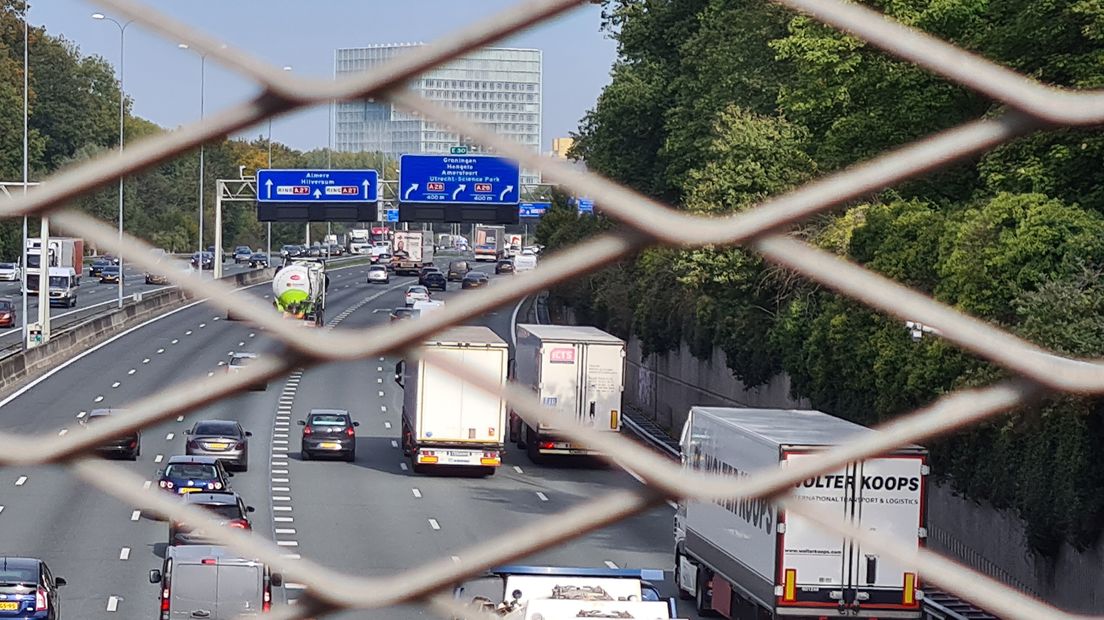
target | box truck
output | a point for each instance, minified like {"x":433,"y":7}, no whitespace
{"x":411,"y":250}
{"x":746,"y":559}
{"x":488,"y":242}
{"x":446,"y":421}
{"x":62,"y":252}
{"x":578,"y":374}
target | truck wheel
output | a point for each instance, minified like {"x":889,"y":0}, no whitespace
{"x":532,"y":447}
{"x":702,"y":600}
{"x":682,"y":594}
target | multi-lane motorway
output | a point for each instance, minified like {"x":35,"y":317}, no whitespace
{"x":371,"y":517}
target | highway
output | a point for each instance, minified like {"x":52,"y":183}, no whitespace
{"x":371,"y":517}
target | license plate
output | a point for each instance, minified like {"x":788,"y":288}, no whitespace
{"x":9,"y":606}
{"x":329,"y":445}
{"x":461,"y":453}
{"x":217,"y":446}
{"x":190,"y":490}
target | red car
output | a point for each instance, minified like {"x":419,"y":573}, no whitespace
{"x":7,"y":313}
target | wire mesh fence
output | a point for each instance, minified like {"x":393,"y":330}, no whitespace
{"x":1029,"y":107}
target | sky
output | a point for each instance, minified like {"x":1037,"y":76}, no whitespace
{"x":164,"y":81}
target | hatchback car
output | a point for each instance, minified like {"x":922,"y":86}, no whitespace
{"x":416,"y":293}
{"x":378,"y":273}
{"x":9,"y":272}
{"x":28,"y":589}
{"x":399,"y":314}
{"x":223,"y":439}
{"x":127,"y":445}
{"x":239,"y":360}
{"x":193,"y":474}
{"x":228,"y":508}
{"x":457,"y":269}
{"x":435,"y":280}
{"x":111,"y":273}
{"x":97,"y":267}
{"x":328,"y":431}
{"x":504,"y":266}
{"x":474,"y":279}
{"x":7,"y":312}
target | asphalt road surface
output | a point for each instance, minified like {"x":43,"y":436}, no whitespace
{"x":370,"y":518}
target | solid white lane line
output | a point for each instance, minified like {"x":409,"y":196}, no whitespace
{"x":124,"y":553}
{"x":610,"y":564}
{"x":20,"y":481}
{"x":170,"y":436}
{"x":416,"y":493}
{"x":113,"y":603}
{"x":158,"y":458}
{"x":434,"y":524}
{"x":517,"y":468}
{"x":542,"y":496}
{"x":137,"y":514}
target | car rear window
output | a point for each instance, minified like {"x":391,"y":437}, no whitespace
{"x":224,"y":511}
{"x":215,"y":428}
{"x":7,"y":265}
{"x":202,"y":471}
{"x":328,"y":420}
{"x":19,"y":575}
{"x":377,"y":268}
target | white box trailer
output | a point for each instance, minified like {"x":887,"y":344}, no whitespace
{"x":446,"y":420}
{"x":745,"y":559}
{"x":577,"y":372}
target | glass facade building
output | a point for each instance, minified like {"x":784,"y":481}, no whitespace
{"x":498,"y":87}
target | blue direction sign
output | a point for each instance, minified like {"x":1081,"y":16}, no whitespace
{"x":533,"y":209}
{"x":317,"y":185}
{"x":586,"y":205}
{"x":459,"y":179}
{"x":391,"y":215}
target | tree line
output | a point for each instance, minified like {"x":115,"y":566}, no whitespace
{"x":715,"y":105}
{"x":74,"y":116}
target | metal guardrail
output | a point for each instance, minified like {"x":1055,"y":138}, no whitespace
{"x":1029,"y":106}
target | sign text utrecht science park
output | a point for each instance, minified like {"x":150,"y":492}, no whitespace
{"x":459,"y":179}
{"x":317,"y":185}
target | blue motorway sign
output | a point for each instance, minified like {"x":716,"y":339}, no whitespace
{"x":317,"y":185}
{"x":533,"y":209}
{"x":586,"y":205}
{"x":391,"y":215}
{"x":459,"y":179}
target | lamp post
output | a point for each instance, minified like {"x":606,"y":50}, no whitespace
{"x":26,"y":167}
{"x":268,"y":247}
{"x":122,"y":97}
{"x":202,"y":147}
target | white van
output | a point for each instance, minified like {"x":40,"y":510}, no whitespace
{"x":63,"y":284}
{"x":210,"y":582}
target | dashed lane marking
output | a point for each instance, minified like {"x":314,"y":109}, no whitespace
{"x":434,"y":524}
{"x":137,"y":514}
{"x":402,"y":466}
{"x":284,"y":519}
{"x":542,"y":496}
{"x":281,"y":489}
{"x":20,"y":481}
{"x":145,"y":361}
{"x":517,"y":468}
{"x":179,"y":418}
{"x":113,"y":603}
{"x":287,"y":543}
{"x":63,"y":432}
{"x":98,"y":399}
{"x":158,"y":458}
{"x":124,"y":553}
{"x":175,"y":340}
{"x":394,"y":444}
{"x":160,"y":351}
{"x":610,"y":564}
{"x":282,"y":508}
{"x":285,"y":530}
{"x":132,"y":371}
{"x":170,"y":436}
{"x":81,"y":414}
{"x":416,"y":493}
{"x":116,"y":384}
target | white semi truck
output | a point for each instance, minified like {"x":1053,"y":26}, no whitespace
{"x":446,"y":421}
{"x":360,"y":241}
{"x":62,"y":252}
{"x":576,"y":372}
{"x":746,"y":559}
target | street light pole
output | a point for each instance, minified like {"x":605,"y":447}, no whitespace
{"x":202,"y":147}
{"x":26,"y":165}
{"x":122,"y":99}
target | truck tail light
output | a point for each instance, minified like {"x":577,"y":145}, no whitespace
{"x":614,"y":420}
{"x":908,"y":597}
{"x":490,"y":458}
{"x":789,"y":585}
{"x":427,"y":456}
{"x":547,"y":445}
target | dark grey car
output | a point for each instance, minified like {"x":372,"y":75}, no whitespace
{"x":212,"y":583}
{"x":223,"y":439}
{"x":228,"y":509}
{"x":127,"y":445}
{"x":328,"y":431}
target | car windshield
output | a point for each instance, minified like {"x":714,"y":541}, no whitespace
{"x":328,"y":420}
{"x":111,"y":269}
{"x":26,"y":575}
{"x":200,"y":471}
{"x":7,"y":265}
{"x":59,"y":281}
{"x":215,"y":428}
{"x":226,"y":511}
{"x":377,"y":268}
{"x":416,"y":289}
{"x":6,"y":306}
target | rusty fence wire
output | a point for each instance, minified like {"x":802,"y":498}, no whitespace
{"x":1027,"y":107}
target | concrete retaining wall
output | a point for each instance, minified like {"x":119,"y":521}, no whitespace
{"x":20,"y":367}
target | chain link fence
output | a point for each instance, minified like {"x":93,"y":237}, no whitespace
{"x":1029,"y":107}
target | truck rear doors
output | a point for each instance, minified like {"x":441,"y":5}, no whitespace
{"x":820,"y":569}
{"x":583,"y":381}
{"x":454,"y":411}
{"x":216,"y":591}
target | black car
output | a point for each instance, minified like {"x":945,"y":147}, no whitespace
{"x":242,"y":254}
{"x":111,"y":273}
{"x":457,"y":269}
{"x":207,"y":259}
{"x":28,"y":589}
{"x":97,"y":267}
{"x":258,"y":260}
{"x":426,"y":271}
{"x":127,"y":445}
{"x":475,"y":279}
{"x":222,"y":439}
{"x":228,"y":509}
{"x":504,"y":266}
{"x":193,"y":474}
{"x":435,"y":280}
{"x":328,"y":431}
{"x":290,"y":251}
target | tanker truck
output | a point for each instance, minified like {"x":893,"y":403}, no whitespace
{"x":299,"y":290}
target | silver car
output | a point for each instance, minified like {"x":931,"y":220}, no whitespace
{"x":223,"y":439}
